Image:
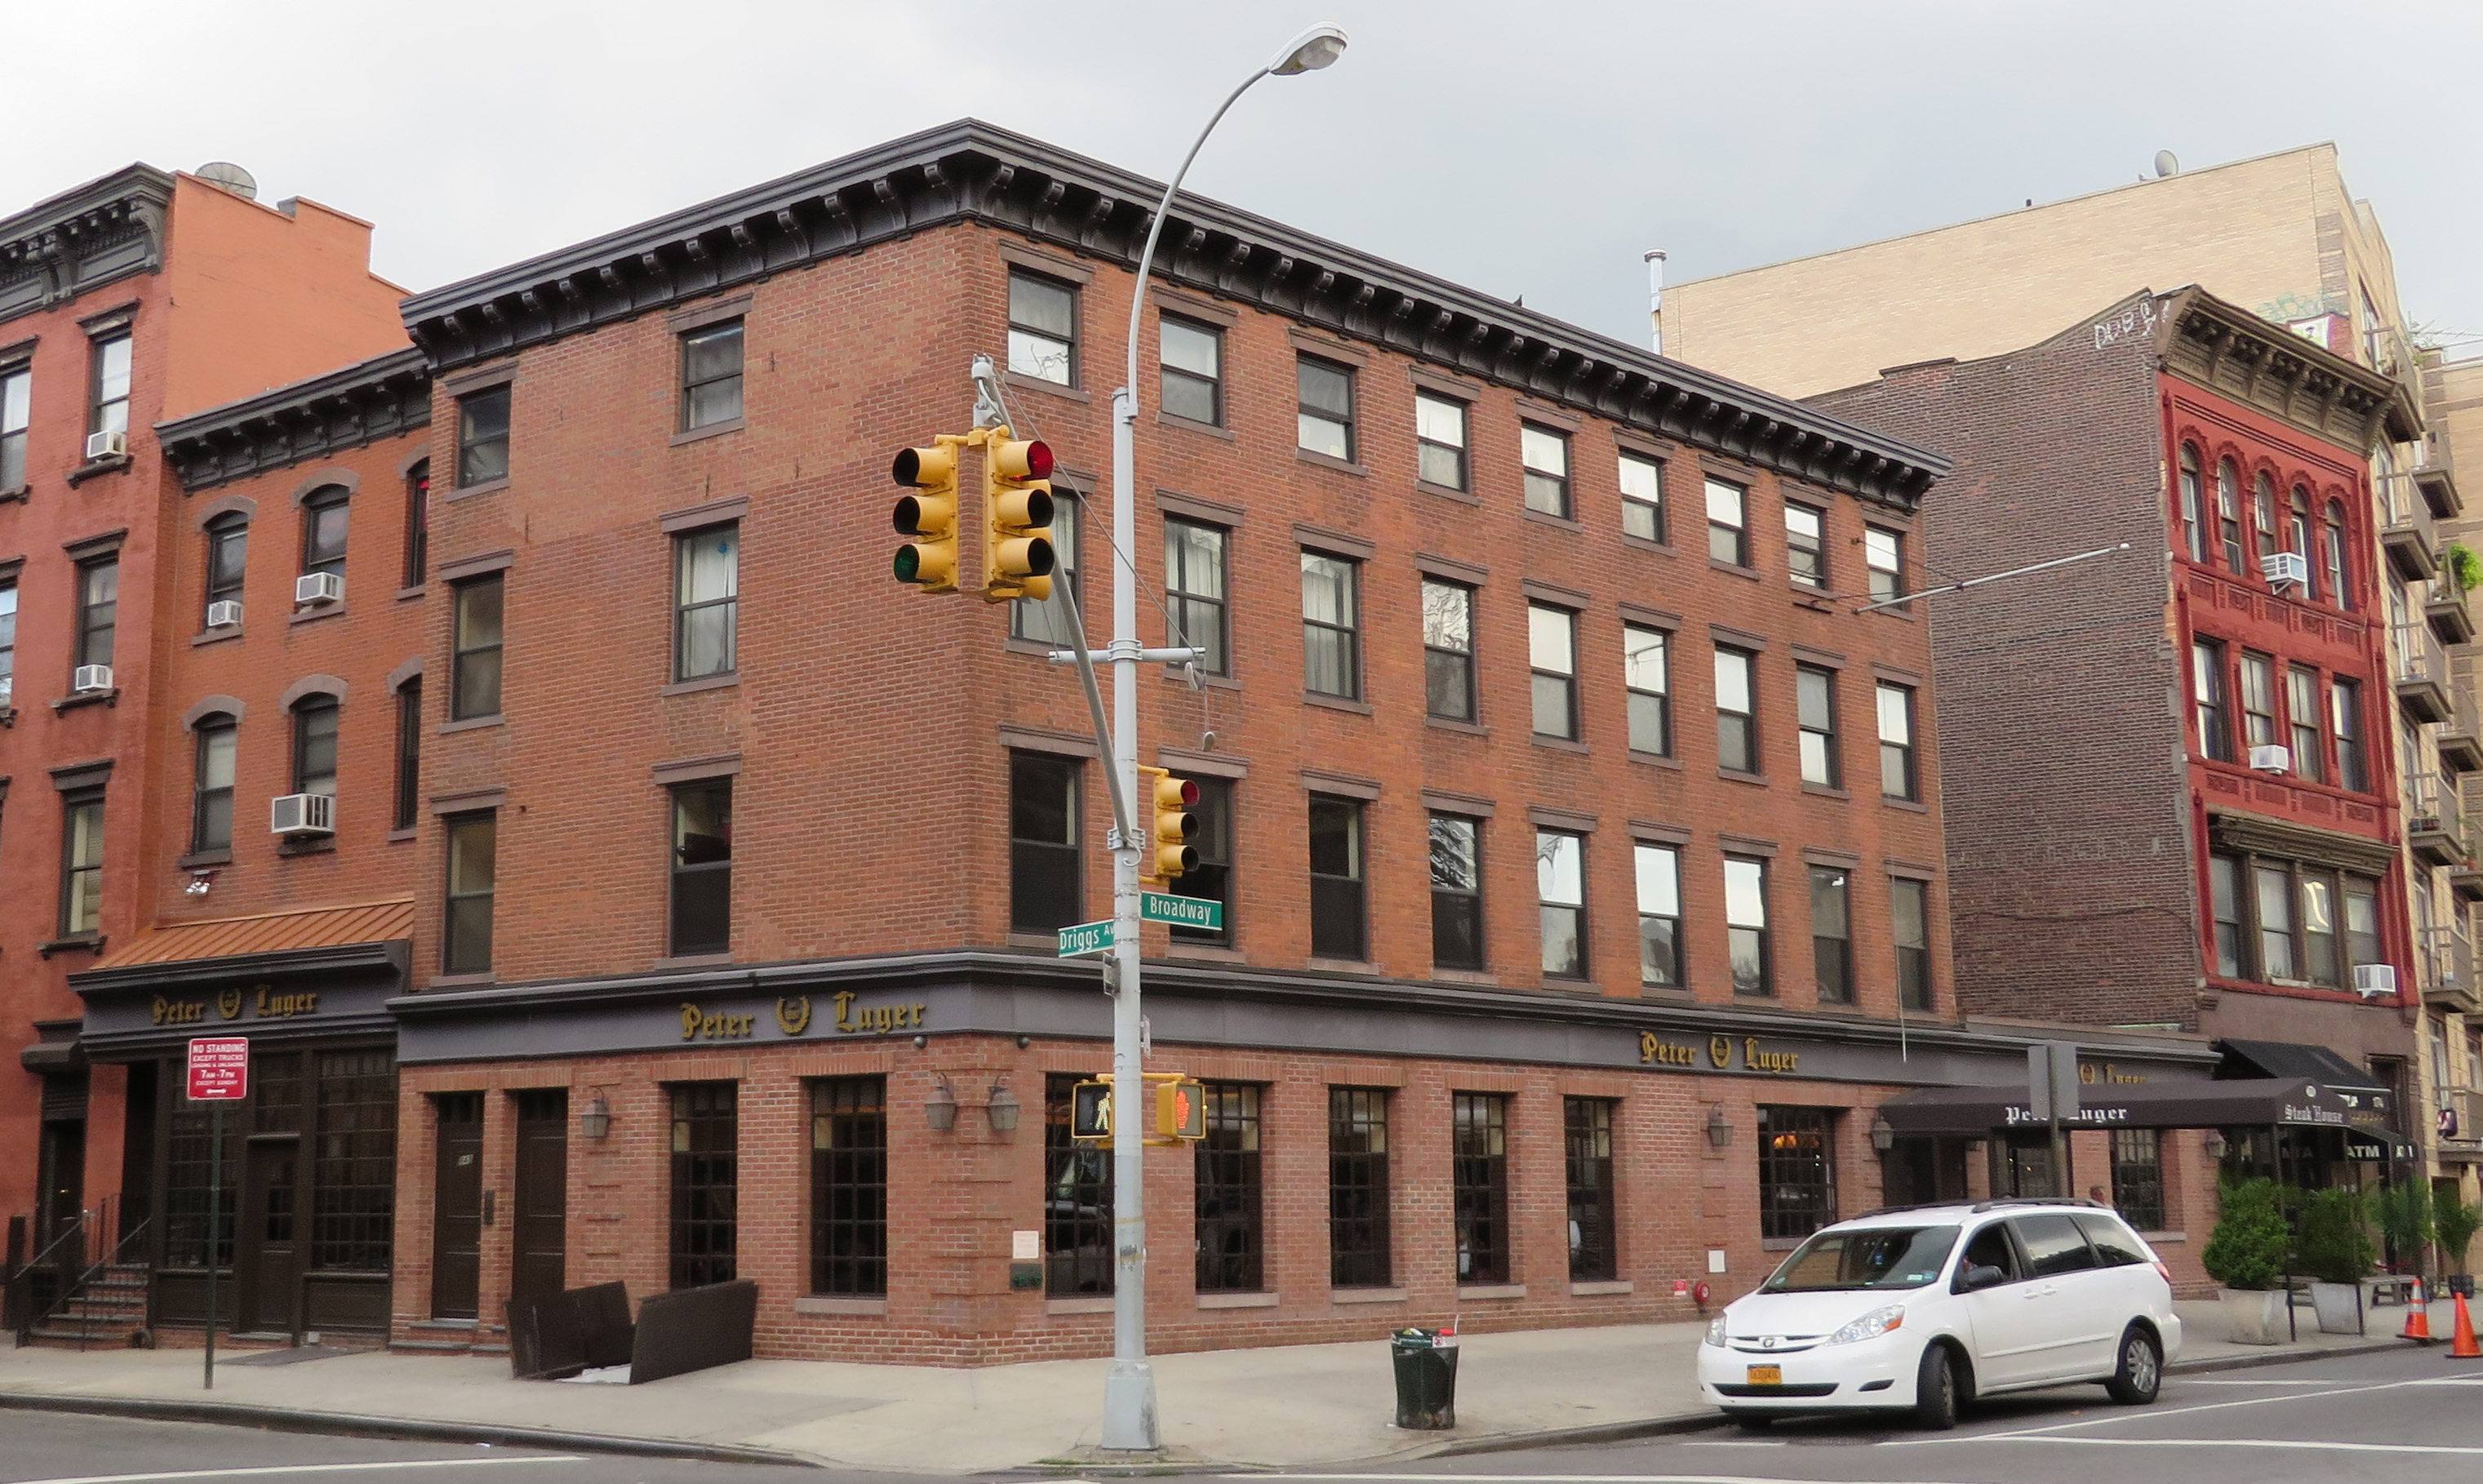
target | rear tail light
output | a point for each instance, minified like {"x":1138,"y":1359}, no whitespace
{"x":2164,"y":1272}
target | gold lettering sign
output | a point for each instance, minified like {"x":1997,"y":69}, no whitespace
{"x":2091,"y":1073}
{"x":698,"y":1024}
{"x":1656,"y":1052}
{"x":229,"y":1003}
{"x":1719,"y":1051}
{"x":178,"y":1012}
{"x":272,"y":1006}
{"x":793,"y":1017}
{"x":1755,"y":1060}
{"x":875,"y":1019}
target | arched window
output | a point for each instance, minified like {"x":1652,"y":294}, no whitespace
{"x":323,"y":530}
{"x":409,"y":754}
{"x":227,"y":554}
{"x":417,"y":524}
{"x":2298,"y":539}
{"x":2194,"y":512}
{"x":2341,"y":582}
{"x":211,"y":792}
{"x":2263,"y":513}
{"x":2229,"y":514}
{"x":314,"y":745}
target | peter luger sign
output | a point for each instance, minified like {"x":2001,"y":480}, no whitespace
{"x":1721,"y":1053}
{"x":262,"y":1003}
{"x":793,"y":1017}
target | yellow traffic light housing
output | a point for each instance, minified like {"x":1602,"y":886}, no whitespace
{"x":1018,"y":558}
{"x":1170,"y":855}
{"x":1091,"y":1111}
{"x":929,"y":515}
{"x":1180,"y":1111}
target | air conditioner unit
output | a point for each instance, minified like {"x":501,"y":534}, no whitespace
{"x":2375,"y":981}
{"x":7,"y":690}
{"x":2268,"y":757}
{"x":2281,"y":567}
{"x":302,"y":813}
{"x":91,"y":680}
{"x":106,"y":445}
{"x":224,"y":615}
{"x":311,"y":590}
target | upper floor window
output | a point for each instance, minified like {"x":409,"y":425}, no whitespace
{"x":1545,"y":454}
{"x":2194,"y":505}
{"x":2345,"y":728}
{"x":1883,"y":553}
{"x":1193,"y":370}
{"x":2207,"y":695}
{"x":16,"y":416}
{"x":1047,"y":878}
{"x":98,"y":611}
{"x":1659,"y":915}
{"x":1456,"y":891}
{"x":314,"y":745}
{"x":2258,"y":701}
{"x":474,"y":684}
{"x":472,"y":882}
{"x":2298,"y":538}
{"x":711,"y":375}
{"x":706,"y":602}
{"x":8,"y":644}
{"x":408,"y":799}
{"x":1728,"y":535}
{"x":1331,"y":626}
{"x":1642,"y":497}
{"x":1746,"y":925}
{"x":1561,"y":889}
{"x":109,"y":412}
{"x":1440,"y":440}
{"x":211,"y":792}
{"x":1815,"y":705}
{"x":1042,"y":328}
{"x":1807,"y":543}
{"x":1552,"y":650}
{"x":1339,"y":903}
{"x":2263,"y":514}
{"x":1447,"y":649}
{"x":1195,"y":591}
{"x":1646,"y":670}
{"x":1899,"y":778}
{"x":1326,"y":424}
{"x":1737,"y":726}
{"x":2340,"y":584}
{"x":2229,"y":514}
{"x":1832,"y":934}
{"x":227,"y":556}
{"x":325,"y":516}
{"x":2302,"y":720}
{"x":81,"y":863}
{"x":1910,"y":908}
{"x":1046,"y":620}
{"x":702,"y":867}
{"x":417,"y":524}
{"x":483,"y":436}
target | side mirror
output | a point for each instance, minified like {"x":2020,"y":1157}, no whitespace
{"x":1978,"y":1274}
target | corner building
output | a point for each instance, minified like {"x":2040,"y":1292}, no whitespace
{"x":1579,"y":845}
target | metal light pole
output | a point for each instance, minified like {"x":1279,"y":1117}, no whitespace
{"x":1130,"y":1389}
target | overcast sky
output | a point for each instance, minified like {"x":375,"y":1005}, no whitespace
{"x":1534,"y":148}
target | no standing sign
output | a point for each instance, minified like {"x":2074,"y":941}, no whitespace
{"x":219,"y":1069}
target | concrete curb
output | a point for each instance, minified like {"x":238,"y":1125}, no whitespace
{"x":348,"y":1425}
{"x":2282,"y":1356}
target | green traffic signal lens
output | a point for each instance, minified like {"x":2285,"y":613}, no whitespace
{"x":909,"y":563}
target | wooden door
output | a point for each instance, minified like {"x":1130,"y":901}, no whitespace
{"x":268,"y":1243}
{"x":539,"y":1209}
{"x":457,"y":1208}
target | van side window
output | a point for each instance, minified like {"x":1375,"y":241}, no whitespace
{"x":2054,"y":1245}
{"x":1990,"y":1247}
{"x":2114,"y":1246}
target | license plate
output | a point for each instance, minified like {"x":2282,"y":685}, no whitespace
{"x":1767,"y":1375}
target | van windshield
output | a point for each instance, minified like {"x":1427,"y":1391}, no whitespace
{"x":1869,"y":1258}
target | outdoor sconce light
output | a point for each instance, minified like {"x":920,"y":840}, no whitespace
{"x":1719,"y":1131}
{"x":1004,"y":1108}
{"x":1884,"y":1136}
{"x":2215,"y":1145}
{"x":940,"y":1109}
{"x":596,"y":1122}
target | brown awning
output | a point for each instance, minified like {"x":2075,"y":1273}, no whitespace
{"x":2239,"y":1103}
{"x":278,"y":932}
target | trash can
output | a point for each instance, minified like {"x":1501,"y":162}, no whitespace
{"x":1426,"y":1362}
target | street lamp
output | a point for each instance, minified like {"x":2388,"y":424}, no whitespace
{"x":1130,"y":1386}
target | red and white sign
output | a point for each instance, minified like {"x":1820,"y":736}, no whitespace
{"x":219,"y":1069}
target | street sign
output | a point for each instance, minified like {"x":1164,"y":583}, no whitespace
{"x":1086,"y":937}
{"x":1190,"y":911}
{"x":2052,"y":1081}
{"x":219,"y":1069}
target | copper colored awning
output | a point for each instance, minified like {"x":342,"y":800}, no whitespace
{"x":281,"y":932}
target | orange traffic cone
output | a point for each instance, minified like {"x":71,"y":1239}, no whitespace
{"x":2460,"y":1344}
{"x":2419,"y":1315}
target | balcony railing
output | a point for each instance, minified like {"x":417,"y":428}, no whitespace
{"x":2406,"y":532}
{"x":2446,"y":609}
{"x":2434,"y":829}
{"x":2423,"y":681}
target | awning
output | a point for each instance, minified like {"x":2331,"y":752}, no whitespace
{"x":2293,"y":1061}
{"x":276,"y":932}
{"x":2238,"y":1102}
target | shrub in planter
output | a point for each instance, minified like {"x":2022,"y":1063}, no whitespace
{"x":2404,"y":1214}
{"x":2247,"y":1249}
{"x":2453,"y":1222}
{"x":2335,"y":1246}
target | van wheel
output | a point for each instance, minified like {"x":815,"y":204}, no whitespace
{"x":1935,"y":1390}
{"x":2140,"y":1374}
{"x":1751,"y":1421}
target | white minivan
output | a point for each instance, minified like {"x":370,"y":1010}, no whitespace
{"x":1924,"y":1308}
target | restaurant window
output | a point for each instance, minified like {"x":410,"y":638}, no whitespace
{"x":1046,"y":620}
{"x":1440,"y":440}
{"x":108,"y":410}
{"x":1737,"y":728}
{"x":16,"y":416}
{"x":99,"y":616}
{"x":81,"y":863}
{"x":327,"y":519}
{"x":1807,"y":543}
{"x":483,"y":438}
{"x":849,"y":1186}
{"x":1337,"y":920}
{"x":1210,"y":834}
{"x":418,"y":525}
{"x":702,"y":867}
{"x":1797,"y":1171}
{"x":1546,"y":455}
{"x":1077,"y":1199}
{"x":1479,"y":1185}
{"x":2302,"y":720}
{"x":1910,"y":910}
{"x":1832,"y":934}
{"x":315,"y":720}
{"x":1195,"y":591}
{"x":406,"y":803}
{"x":1448,"y":650}
{"x":1899,"y":778}
{"x":2194,"y":506}
{"x":2229,"y":515}
{"x":2138,"y":1177}
{"x":2345,"y":728}
{"x":1457,"y":892}
{"x":1746,"y":925}
{"x":353,"y":1169}
{"x":1331,"y":626}
{"x":1552,"y":653}
{"x":1642,"y":497}
{"x":212,"y":798}
{"x":2258,"y":701}
{"x":1815,"y":713}
{"x":706,"y":1180}
{"x":711,"y":360}
{"x":1232,"y":1242}
{"x":706,"y":601}
{"x":227,"y":557}
{"x":1586,"y":1128}
{"x":1357,"y":1188}
{"x":1047,"y":878}
{"x":2224,"y":907}
{"x":1646,"y":671}
{"x":1326,"y":421}
{"x":1560,"y":888}
{"x":2207,"y":695}
{"x":1193,"y":367}
{"x":466,"y":936}
{"x":1042,"y":328}
{"x":475,"y":681}
{"x":1728,"y":535}
{"x":1659,"y":915}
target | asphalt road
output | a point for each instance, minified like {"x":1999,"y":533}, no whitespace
{"x":2393,"y":1417}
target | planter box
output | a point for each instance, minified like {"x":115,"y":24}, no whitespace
{"x":2253,"y":1317}
{"x":2339,"y":1305}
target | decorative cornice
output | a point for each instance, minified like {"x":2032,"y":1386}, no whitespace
{"x":973,"y":172}
{"x":2230,"y":350}
{"x":83,"y":239}
{"x":383,"y":397}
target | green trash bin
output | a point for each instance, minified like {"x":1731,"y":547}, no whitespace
{"x":1426,"y":1362}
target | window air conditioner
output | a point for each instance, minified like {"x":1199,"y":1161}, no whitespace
{"x":2270,"y":759}
{"x":106,"y":445}
{"x":7,"y":690}
{"x":313,"y":589}
{"x":302,"y":813}
{"x":91,"y":680}
{"x":224,"y":615}
{"x":2281,"y":567}
{"x":2375,"y":981}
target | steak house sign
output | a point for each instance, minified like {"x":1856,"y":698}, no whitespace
{"x":1720,"y":1054}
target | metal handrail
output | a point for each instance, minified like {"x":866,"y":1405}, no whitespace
{"x":21,"y":1283}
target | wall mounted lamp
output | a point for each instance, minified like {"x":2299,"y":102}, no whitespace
{"x":1003,"y":1108}
{"x":596,"y":1122}
{"x":1883,"y":1134}
{"x":2215,"y":1145}
{"x":1720,"y":1129}
{"x":940,"y":1109}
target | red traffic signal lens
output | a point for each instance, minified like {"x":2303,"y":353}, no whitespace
{"x":1038,"y":460}
{"x":1189,"y":791}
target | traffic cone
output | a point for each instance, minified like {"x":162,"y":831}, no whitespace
{"x":2460,"y":1344}
{"x":2418,"y":1317}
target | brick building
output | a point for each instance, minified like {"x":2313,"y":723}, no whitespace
{"x":143,"y":296}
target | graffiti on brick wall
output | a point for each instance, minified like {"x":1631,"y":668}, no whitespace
{"x":2139,"y":319}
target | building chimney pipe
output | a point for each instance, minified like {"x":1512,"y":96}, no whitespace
{"x":1655,"y":296}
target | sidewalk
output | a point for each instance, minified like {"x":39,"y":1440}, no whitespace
{"x":1288,"y":1406}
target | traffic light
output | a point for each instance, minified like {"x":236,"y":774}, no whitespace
{"x":1174,"y":826}
{"x":1091,"y":1111}
{"x":1016,"y":512}
{"x":1180,"y":1110}
{"x":929,"y":515}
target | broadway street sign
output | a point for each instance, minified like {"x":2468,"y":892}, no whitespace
{"x":1190,"y":911}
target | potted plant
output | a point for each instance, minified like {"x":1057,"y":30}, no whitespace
{"x":2403,"y":1211}
{"x":2452,"y":1225}
{"x":2336,"y":1249}
{"x":2246,"y":1256}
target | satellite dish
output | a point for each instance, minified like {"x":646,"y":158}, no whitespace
{"x":231,"y":178}
{"x":2166,"y":164}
